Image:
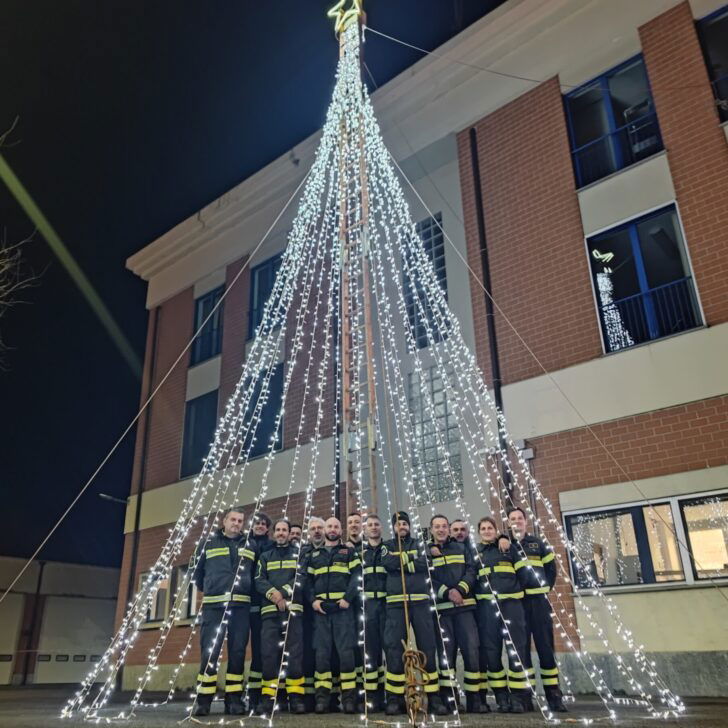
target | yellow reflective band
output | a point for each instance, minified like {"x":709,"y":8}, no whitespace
{"x":442,"y":591}
{"x":347,"y":675}
{"x":215,"y":598}
{"x":511,"y":595}
{"x":495,"y":675}
{"x":202,"y":690}
{"x":354,"y":563}
{"x":268,"y":609}
{"x":530,"y":671}
{"x":483,"y":596}
{"x":548,"y":558}
{"x":517,"y":684}
{"x":295,"y":607}
{"x":268,"y":691}
{"x":247,"y":553}
{"x":520,"y":564}
{"x":549,"y":671}
{"x":255,"y":673}
{"x":471,"y":675}
{"x":371,"y":685}
{"x":484,"y":685}
{"x":241,"y":597}
{"x":348,"y":684}
{"x":484,"y":571}
{"x":231,"y":676}
{"x":447,"y":682}
{"x":394,"y":598}
{"x":447,"y":671}
{"x":549,"y":681}
{"x":294,"y":680}
{"x":432,"y":687}
{"x":375,"y":595}
{"x":471,"y":687}
{"x":464,"y":586}
{"x":288,"y":564}
{"x":234,"y":688}
{"x":498,"y":683}
{"x":207,"y":678}
{"x":517,"y":675}
{"x":438,"y":561}
{"x":444,"y":605}
{"x":331,"y":595}
{"x":211,"y":553}
{"x":397,"y":689}
{"x":323,"y":684}
{"x":535,"y":561}
{"x":539,"y":590}
{"x":295,"y":689}
{"x":338,"y":569}
{"x":455,"y":559}
{"x":273,"y":565}
{"x":322,"y":675}
{"x":411,"y":567}
{"x":504,"y":570}
{"x":469,"y":602}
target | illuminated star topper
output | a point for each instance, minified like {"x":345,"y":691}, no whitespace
{"x":344,"y":18}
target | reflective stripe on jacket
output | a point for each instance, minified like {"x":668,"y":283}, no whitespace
{"x":405,"y":555}
{"x":333,"y":574}
{"x":452,"y":568}
{"x":277,"y":570}
{"x":502,"y":573}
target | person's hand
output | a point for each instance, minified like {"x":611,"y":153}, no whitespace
{"x":455,"y":596}
{"x":435,"y":551}
{"x":343,"y":604}
{"x":317,"y":606}
{"x":282,"y":605}
{"x":504,"y":544}
{"x":275,"y":596}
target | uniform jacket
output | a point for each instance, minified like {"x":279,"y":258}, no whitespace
{"x":453,"y":567}
{"x":502,"y":573}
{"x":375,"y":575}
{"x":217,"y":567}
{"x":263,"y":544}
{"x":332,"y":575}
{"x":541,"y":576}
{"x":277,"y":569}
{"x":405,"y":555}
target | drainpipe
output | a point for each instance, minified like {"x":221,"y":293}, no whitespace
{"x":142,"y":468}
{"x":32,"y":629}
{"x":489,"y":311}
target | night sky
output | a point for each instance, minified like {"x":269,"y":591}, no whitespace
{"x":132,"y":116}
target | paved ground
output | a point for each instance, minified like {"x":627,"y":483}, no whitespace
{"x":39,"y":707}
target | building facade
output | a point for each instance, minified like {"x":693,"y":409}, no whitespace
{"x":56,"y":622}
{"x":581,"y":150}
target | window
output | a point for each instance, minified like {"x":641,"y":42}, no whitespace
{"x":612,"y":122}
{"x":439,"y":484}
{"x":157,"y":611}
{"x":262,"y":278}
{"x":191,"y":606}
{"x":642,"y":281}
{"x":713,"y":33}
{"x":626,"y":546}
{"x":61,"y":658}
{"x":95,"y":658}
{"x":266,"y":427}
{"x":41,"y":658}
{"x":706,"y":526}
{"x":418,"y":305}
{"x":200,"y":421}
{"x":209,"y":341}
{"x":79,"y":658}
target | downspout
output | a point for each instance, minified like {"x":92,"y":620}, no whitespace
{"x":489,"y":311}
{"x":33,"y":619}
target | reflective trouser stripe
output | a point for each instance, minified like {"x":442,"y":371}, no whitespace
{"x":371,"y":679}
{"x":255,"y":679}
{"x":483,"y":680}
{"x":348,"y":680}
{"x":497,"y":679}
{"x":211,"y":690}
{"x":294,"y":685}
{"x":447,"y":677}
{"x":206,"y":684}
{"x":394,"y":683}
{"x":434,"y":685}
{"x":308,"y":685}
{"x":207,"y":678}
{"x":471,"y":681}
{"x":323,"y":680}
{"x":549,"y":681}
{"x":270,"y":687}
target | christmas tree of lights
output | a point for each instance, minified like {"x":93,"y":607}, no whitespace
{"x":355,"y":297}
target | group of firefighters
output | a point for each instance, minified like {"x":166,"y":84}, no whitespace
{"x":327,"y":620}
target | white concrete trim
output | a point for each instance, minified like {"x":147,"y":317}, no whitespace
{"x":209,"y":283}
{"x":203,"y":378}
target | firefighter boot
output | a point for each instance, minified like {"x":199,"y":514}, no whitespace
{"x":296,"y":704}
{"x":234,"y":704}
{"x":265,"y":706}
{"x":437,"y":706}
{"x":394,"y":705}
{"x":203,"y":706}
{"x":502,"y":701}
{"x":472,"y":702}
{"x":484,"y":707}
{"x":555,"y":701}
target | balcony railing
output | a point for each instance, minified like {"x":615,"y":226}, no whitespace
{"x":659,"y":312}
{"x":637,"y":140}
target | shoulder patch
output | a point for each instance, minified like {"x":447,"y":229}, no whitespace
{"x":344,"y":551}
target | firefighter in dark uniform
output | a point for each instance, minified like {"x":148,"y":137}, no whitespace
{"x":501,"y":577}
{"x":281,"y":614}
{"x":541,"y":577}
{"x":453,"y":580}
{"x":354,"y":539}
{"x":315,"y":540}
{"x":261,"y":528}
{"x":375,"y":610}
{"x":404,"y":554}
{"x":224,"y":574}
{"x":332,"y":585}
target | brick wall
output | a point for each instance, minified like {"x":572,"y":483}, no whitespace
{"x":534,"y":236}
{"x":696,"y":148}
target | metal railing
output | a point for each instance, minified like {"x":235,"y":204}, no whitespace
{"x":618,"y":149}
{"x":662,"y":311}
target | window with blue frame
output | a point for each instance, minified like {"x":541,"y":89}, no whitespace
{"x":713,"y":33}
{"x":208,"y":342}
{"x":642,"y":280}
{"x":199,"y":430}
{"x":265,"y":432}
{"x":419,"y":310}
{"x":262,"y":278}
{"x":612,"y":122}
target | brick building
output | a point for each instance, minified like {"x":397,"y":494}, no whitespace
{"x":602,"y":208}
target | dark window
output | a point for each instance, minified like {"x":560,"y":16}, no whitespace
{"x":79,"y":658}
{"x":421,"y":315}
{"x":262,"y":278}
{"x":625,"y":546}
{"x":642,"y":281}
{"x":157,"y":611}
{"x":43,"y":658}
{"x":61,"y":658}
{"x":200,"y":421}
{"x":95,"y":658}
{"x":9,"y":658}
{"x":713,"y":32}
{"x":209,"y":341}
{"x":191,"y":606}
{"x":706,"y":525}
{"x":612,"y":122}
{"x":266,"y":427}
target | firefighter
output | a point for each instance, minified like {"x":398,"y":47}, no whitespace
{"x":296,"y":533}
{"x":453,"y":581}
{"x":354,"y":539}
{"x":405,"y":555}
{"x":281,"y":614}
{"x":315,"y":540}
{"x":332,"y":585}
{"x":224,"y":574}
{"x":375,"y":609}
{"x":541,"y":577}
{"x":460,"y":531}
{"x":501,"y":577}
